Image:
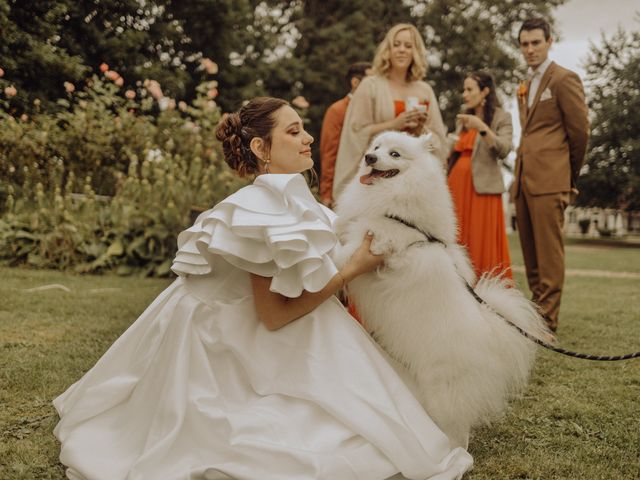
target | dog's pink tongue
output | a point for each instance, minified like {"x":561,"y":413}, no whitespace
{"x":366,"y":179}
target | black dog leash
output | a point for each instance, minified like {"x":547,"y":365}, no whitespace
{"x":569,"y":353}
{"x":480,"y":300}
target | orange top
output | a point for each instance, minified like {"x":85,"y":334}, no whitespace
{"x":399,"y":107}
{"x":329,"y":142}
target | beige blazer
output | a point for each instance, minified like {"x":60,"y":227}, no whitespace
{"x":485,"y":160}
{"x":371,"y":104}
{"x":555,"y":131}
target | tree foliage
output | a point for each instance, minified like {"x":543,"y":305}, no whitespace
{"x":216,"y":29}
{"x":48,"y":42}
{"x":276,"y":47}
{"x":611,"y":175}
{"x":30,"y":55}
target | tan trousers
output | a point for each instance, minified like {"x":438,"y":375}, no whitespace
{"x":540,"y":221}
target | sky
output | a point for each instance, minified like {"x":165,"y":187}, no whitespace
{"x":579,"y":22}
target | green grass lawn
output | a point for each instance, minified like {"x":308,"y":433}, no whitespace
{"x":590,"y":255}
{"x":578,"y":419}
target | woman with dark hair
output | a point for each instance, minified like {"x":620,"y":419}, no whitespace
{"x":247,"y":366}
{"x":475,"y":178}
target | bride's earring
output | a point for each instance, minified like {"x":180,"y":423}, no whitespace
{"x":266,"y":166}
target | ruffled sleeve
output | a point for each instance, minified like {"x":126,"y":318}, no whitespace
{"x":273,"y":228}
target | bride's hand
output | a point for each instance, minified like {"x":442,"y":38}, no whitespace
{"x":362,"y":260}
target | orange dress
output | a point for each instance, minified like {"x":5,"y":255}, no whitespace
{"x":481,"y":227}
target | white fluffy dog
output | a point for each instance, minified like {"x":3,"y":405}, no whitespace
{"x":466,"y":359}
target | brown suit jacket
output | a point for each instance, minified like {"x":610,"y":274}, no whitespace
{"x":555,"y":131}
{"x":329,"y":141}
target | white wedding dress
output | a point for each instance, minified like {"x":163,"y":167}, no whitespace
{"x":198,"y":388}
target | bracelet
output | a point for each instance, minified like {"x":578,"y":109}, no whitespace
{"x":343,"y":281}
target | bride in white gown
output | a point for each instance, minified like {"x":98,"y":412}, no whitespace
{"x":247,"y":366}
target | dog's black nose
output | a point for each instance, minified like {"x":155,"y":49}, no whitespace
{"x":370,"y":158}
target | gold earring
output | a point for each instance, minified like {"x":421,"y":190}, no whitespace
{"x":266,"y":166}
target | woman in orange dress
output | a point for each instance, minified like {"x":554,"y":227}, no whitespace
{"x":475,"y":177}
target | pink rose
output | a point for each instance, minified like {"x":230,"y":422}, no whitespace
{"x":112,"y":75}
{"x":130,"y":94}
{"x":104,"y":67}
{"x":213,"y":93}
{"x":182,"y":106}
{"x":154,"y":89}
{"x":69,"y":87}
{"x":300,"y":102}
{"x":10,"y":91}
{"x":209,"y":66}
{"x":24,"y":117}
{"x":119,"y":81}
{"x":1,"y":72}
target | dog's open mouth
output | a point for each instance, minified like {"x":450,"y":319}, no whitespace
{"x":369,"y":177}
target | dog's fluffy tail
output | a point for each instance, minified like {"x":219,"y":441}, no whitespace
{"x":503,"y":297}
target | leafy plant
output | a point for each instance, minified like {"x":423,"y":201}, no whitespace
{"x":108,"y":182}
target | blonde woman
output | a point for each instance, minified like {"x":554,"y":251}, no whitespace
{"x":394,"y":98}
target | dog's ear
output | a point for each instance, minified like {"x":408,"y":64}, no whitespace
{"x":426,"y":141}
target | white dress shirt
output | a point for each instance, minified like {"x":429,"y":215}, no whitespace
{"x":536,"y":76}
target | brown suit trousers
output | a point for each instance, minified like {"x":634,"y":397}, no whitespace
{"x":554,"y":138}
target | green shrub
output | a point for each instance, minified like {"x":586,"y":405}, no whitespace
{"x":108,"y":183}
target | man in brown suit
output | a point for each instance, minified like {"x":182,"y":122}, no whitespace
{"x":331,"y":130}
{"x":555,"y":130}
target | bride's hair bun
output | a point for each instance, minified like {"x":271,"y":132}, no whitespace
{"x":236,"y":154}
{"x":236,"y":130}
